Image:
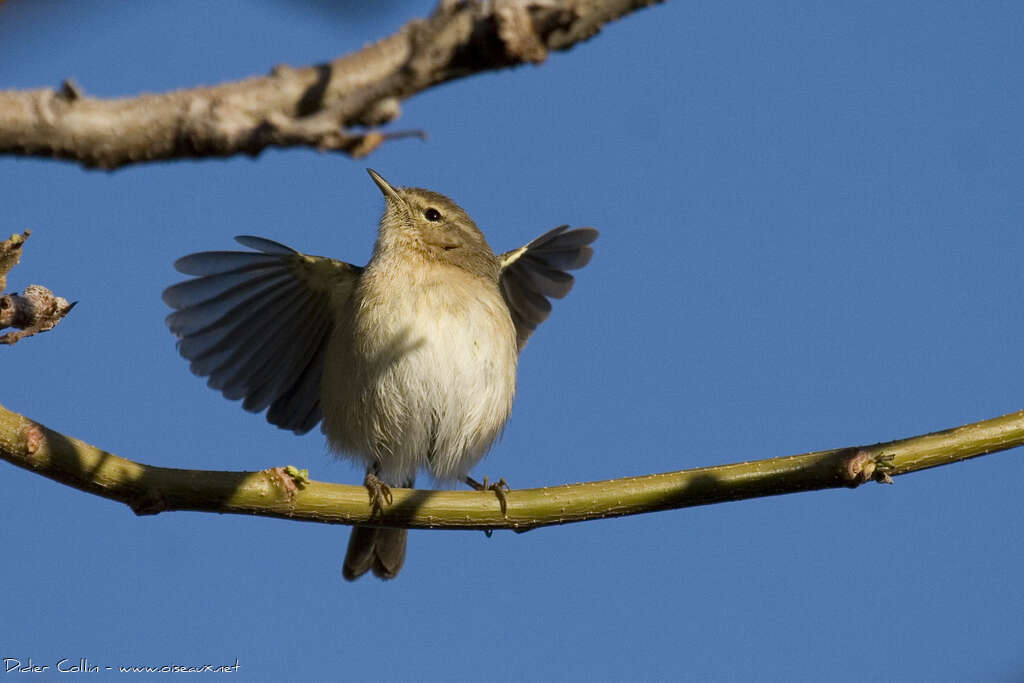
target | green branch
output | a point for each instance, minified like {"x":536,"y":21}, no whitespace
{"x":286,"y":493}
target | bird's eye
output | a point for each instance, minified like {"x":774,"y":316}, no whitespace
{"x":432,"y":214}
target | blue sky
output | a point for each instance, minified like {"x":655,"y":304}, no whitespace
{"x":810,"y":221}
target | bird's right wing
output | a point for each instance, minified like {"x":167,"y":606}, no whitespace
{"x":257,"y":324}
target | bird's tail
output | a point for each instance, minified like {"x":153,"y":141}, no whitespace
{"x":375,"y":548}
{"x":379,"y":549}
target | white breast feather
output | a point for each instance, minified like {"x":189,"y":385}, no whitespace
{"x":429,"y":369}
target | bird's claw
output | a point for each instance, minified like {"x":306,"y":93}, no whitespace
{"x":500,"y":488}
{"x":380,"y":493}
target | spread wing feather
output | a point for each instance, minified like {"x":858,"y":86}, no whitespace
{"x":536,"y":271}
{"x":257,"y":324}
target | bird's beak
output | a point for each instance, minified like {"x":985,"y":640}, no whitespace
{"x":385,"y":187}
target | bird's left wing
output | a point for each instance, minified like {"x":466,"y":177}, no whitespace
{"x":536,"y":271}
{"x":257,"y":324}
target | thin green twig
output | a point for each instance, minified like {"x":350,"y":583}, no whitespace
{"x":287,"y":493}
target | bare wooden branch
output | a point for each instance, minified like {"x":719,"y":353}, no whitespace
{"x":317,"y":106}
{"x":10,"y":255}
{"x":37,"y":309}
{"x":287,"y":492}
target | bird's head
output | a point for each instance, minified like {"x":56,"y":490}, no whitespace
{"x":434,"y":227}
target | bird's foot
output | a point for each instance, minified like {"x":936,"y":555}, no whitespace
{"x":500,"y":488}
{"x":380,"y":493}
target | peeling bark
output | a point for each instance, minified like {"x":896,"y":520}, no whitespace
{"x":326,"y":106}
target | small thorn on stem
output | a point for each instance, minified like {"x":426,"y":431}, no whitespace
{"x":400,"y":134}
{"x":70,"y":90}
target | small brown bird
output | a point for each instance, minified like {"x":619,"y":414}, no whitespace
{"x":409,"y":362}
